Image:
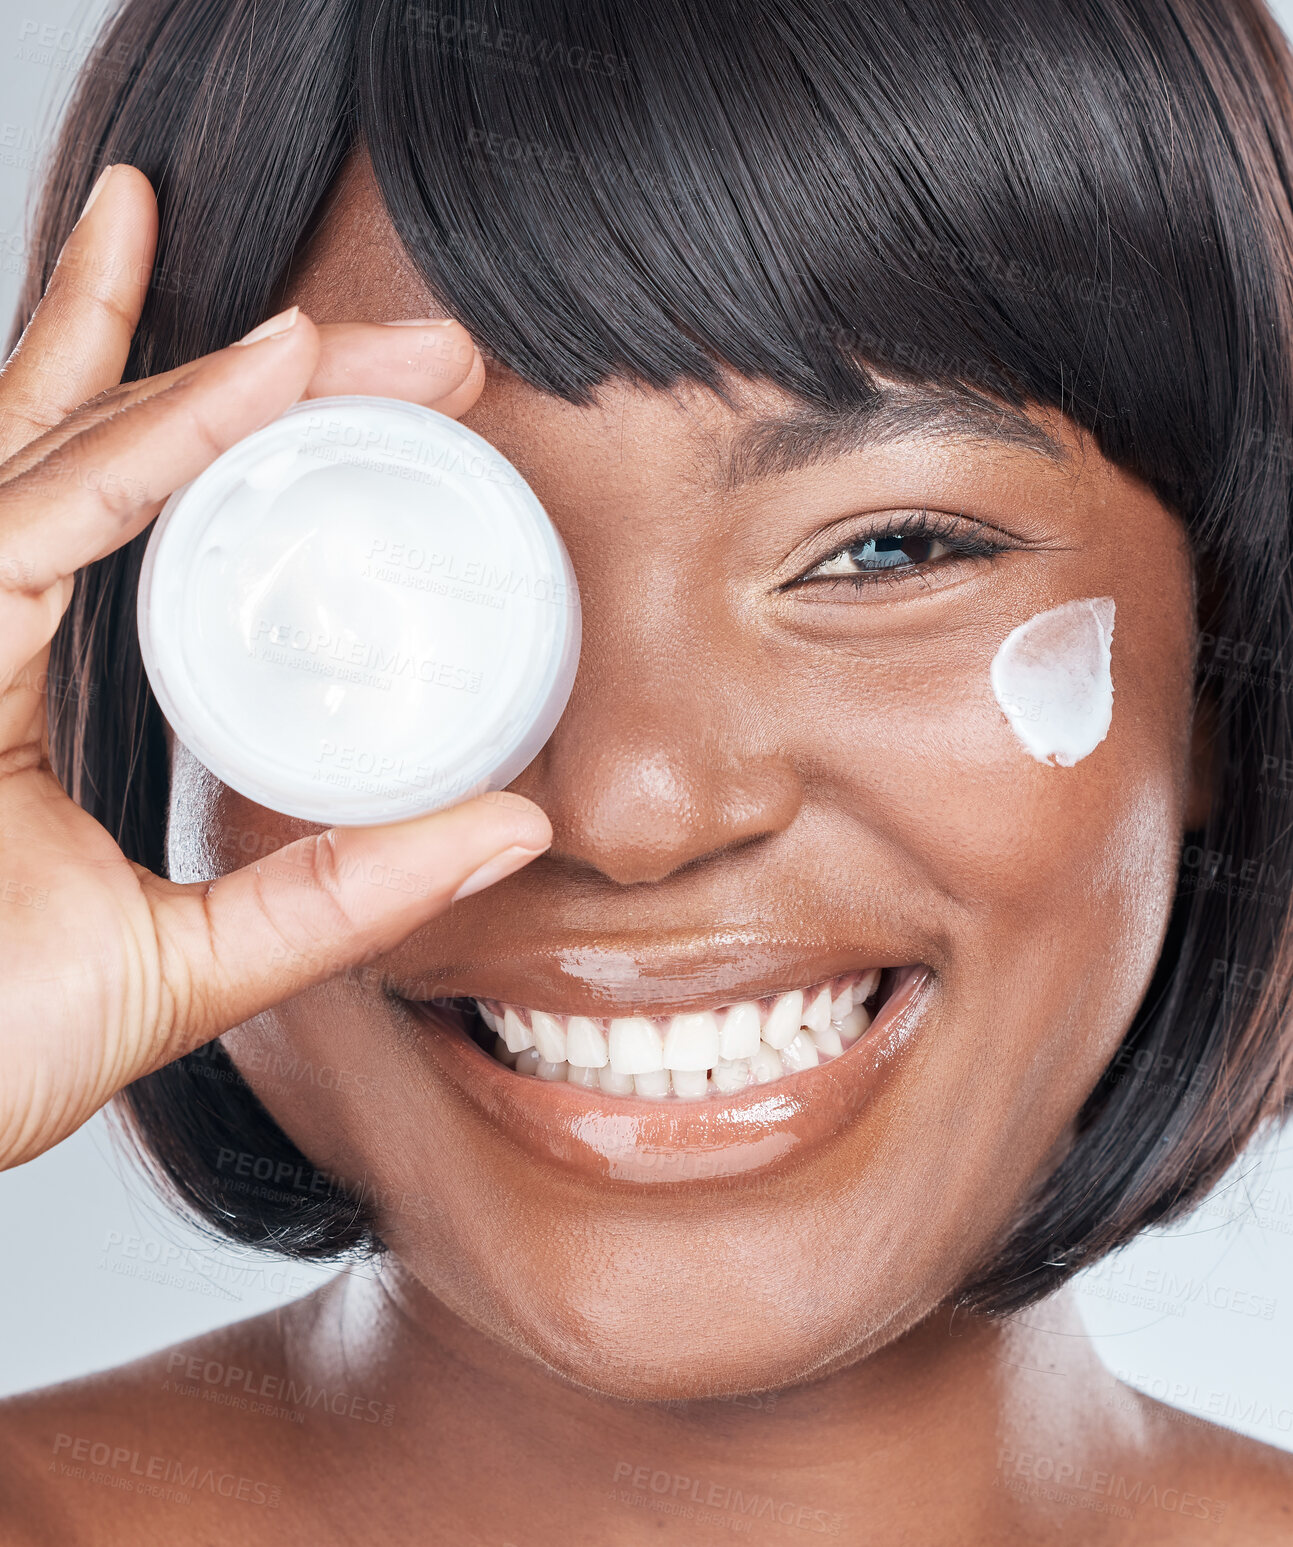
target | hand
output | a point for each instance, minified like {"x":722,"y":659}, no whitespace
{"x":108,"y":971}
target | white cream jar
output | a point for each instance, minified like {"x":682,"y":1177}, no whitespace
{"x":359,"y":613}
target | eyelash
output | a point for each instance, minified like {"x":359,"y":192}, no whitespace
{"x":964,"y":541}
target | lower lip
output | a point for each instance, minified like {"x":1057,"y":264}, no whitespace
{"x":625,"y":1139}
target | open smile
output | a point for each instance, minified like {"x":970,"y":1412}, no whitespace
{"x":687,"y":1057}
{"x":799,"y":1066}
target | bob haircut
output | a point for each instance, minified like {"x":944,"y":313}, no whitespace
{"x":1081,"y":204}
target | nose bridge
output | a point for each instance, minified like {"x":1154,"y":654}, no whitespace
{"x":661,"y":757}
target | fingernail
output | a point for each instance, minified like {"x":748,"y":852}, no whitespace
{"x":96,"y":190}
{"x":273,"y":327}
{"x":419,"y":322}
{"x":494,"y":870}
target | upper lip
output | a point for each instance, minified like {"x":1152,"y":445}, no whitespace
{"x":647,"y":977}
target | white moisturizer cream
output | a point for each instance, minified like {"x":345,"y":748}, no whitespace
{"x":1051,"y":677}
{"x":359,"y":613}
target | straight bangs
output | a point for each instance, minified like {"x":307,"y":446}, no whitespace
{"x":1039,"y":202}
{"x":1078,"y":204}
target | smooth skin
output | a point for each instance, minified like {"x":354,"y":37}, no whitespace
{"x":792,"y":774}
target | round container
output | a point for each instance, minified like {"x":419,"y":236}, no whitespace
{"x":359,"y":613}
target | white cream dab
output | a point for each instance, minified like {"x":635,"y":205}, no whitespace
{"x":1051,"y":677}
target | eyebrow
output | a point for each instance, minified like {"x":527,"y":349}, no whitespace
{"x":785,"y":443}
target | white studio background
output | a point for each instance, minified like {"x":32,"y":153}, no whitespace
{"x":98,"y":1271}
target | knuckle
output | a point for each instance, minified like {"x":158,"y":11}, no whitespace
{"x":200,"y":427}
{"x":328,"y":877}
{"x":303,"y":900}
{"x":95,"y":289}
{"x":76,"y":465}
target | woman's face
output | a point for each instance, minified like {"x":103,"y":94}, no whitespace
{"x":768,"y":777}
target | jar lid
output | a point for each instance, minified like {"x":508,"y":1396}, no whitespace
{"x":359,"y":613}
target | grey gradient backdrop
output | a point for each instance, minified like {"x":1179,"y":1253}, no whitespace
{"x":95,"y":1270}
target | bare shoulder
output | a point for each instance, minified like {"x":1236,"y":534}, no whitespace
{"x":1197,"y":1481}
{"x":140,"y":1453}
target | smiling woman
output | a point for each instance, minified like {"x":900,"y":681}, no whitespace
{"x":908,"y":383}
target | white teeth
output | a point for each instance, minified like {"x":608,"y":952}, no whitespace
{"x":731,"y":1075}
{"x":516,"y":1033}
{"x":635,"y":1046}
{"x":782,"y":1024}
{"x":691,"y":1043}
{"x":799,"y":1053}
{"x":853,"y":1025}
{"x":690,"y":1084}
{"x":585,"y":1043}
{"x":549,"y":1037}
{"x":691,"y":1055}
{"x":766,"y":1065}
{"x":829,"y":1042}
{"x":817,"y":1014}
{"x":738,"y":1035}
{"x":614,"y":1084}
{"x":866,"y":986}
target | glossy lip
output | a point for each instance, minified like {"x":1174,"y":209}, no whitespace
{"x":652,"y":972}
{"x":624,"y":1139}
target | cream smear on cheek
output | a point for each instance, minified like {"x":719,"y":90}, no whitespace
{"x":1052,"y":680}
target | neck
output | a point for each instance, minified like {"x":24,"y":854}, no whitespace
{"x":924,"y":1432}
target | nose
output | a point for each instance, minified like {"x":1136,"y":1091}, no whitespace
{"x":660,"y":760}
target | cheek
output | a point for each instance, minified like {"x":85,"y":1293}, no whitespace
{"x":1042,"y":892}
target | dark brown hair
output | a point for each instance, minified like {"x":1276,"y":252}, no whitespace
{"x":1083,"y":204}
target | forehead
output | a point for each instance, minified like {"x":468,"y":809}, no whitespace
{"x":355,"y":265}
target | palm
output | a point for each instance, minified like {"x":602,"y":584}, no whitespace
{"x":79,"y":956}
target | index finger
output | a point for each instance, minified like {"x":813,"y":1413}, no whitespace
{"x":78,"y":339}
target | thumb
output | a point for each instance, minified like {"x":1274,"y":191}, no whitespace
{"x":233,"y":947}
